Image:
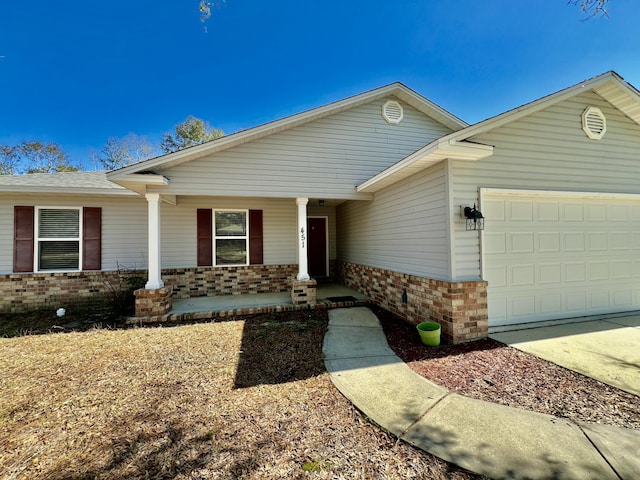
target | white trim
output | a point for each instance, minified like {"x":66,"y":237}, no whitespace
{"x":154,"y":281}
{"x":450,"y":217}
{"x":558,"y":193}
{"x":303,"y":236}
{"x":36,"y":239}
{"x":244,"y":237}
{"x":427,"y":156}
{"x":326,"y":244}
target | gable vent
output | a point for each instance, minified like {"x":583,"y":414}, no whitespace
{"x":594,"y":123}
{"x":392,"y":111}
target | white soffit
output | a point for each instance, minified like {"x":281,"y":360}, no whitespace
{"x":424,"y":158}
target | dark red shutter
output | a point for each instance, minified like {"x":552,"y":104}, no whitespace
{"x":23,"y":239}
{"x":255,"y":237}
{"x":91,"y":238}
{"x":204,"y":238}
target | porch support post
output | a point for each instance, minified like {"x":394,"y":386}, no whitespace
{"x":303,"y":237}
{"x":154,"y":280}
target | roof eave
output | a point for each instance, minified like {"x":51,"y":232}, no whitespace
{"x":65,"y":190}
{"x":425,"y":157}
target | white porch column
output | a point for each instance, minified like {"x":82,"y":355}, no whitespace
{"x":303,"y":236}
{"x":154,"y":281}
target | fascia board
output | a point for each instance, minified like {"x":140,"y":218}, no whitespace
{"x":65,"y":190}
{"x":436,"y":151}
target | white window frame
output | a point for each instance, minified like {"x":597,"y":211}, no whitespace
{"x":245,"y":237}
{"x":37,"y":240}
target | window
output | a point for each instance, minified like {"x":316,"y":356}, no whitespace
{"x":231,"y":237}
{"x":58,"y":239}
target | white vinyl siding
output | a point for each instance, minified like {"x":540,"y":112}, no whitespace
{"x":546,"y":151}
{"x":323,"y":159}
{"x":279,"y":228}
{"x":403,"y":229}
{"x":124,"y":227}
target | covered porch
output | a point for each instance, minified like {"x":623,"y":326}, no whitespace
{"x":329,"y":295}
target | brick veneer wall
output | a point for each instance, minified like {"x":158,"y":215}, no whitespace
{"x":30,"y":291}
{"x":153,"y":302}
{"x":459,"y":307}
{"x":204,"y":281}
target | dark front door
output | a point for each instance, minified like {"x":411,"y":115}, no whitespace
{"x":317,"y":247}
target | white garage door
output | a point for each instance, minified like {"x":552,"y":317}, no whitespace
{"x":557,"y":257}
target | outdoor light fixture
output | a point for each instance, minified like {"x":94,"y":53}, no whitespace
{"x":321,"y":203}
{"x":474,"y":218}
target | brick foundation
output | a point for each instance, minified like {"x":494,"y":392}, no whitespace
{"x":209,"y":281}
{"x":303,"y":292}
{"x":32,"y":291}
{"x":153,"y":302}
{"x":459,"y":307}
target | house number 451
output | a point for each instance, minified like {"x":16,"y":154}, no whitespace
{"x":302,"y":236}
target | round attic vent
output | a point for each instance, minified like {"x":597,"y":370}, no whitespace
{"x":392,"y":111}
{"x":594,"y":123}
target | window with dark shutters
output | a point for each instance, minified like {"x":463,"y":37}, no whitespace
{"x":255,"y":237}
{"x":53,"y":237}
{"x":23,"y":236}
{"x":92,"y":238}
{"x":204,"y":237}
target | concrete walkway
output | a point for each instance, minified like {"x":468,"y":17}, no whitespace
{"x":490,"y":439}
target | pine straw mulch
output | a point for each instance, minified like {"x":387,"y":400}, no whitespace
{"x":489,"y":370}
{"x":247,"y":398}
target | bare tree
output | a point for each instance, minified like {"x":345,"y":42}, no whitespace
{"x":120,"y":152}
{"x":593,"y":8}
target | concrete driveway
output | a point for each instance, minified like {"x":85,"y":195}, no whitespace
{"x":607,"y":348}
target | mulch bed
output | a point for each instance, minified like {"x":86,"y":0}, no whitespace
{"x":492,"y":371}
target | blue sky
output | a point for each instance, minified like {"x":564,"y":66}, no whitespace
{"x":76,"y":72}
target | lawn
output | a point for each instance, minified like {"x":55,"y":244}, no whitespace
{"x":245,"y":398}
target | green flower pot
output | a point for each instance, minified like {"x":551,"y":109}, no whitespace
{"x":429,"y":333}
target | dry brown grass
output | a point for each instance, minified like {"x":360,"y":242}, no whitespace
{"x":237,"y":399}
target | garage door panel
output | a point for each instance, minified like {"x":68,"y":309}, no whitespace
{"x":523,"y":275}
{"x":621,"y":269}
{"x":573,"y":242}
{"x":521,"y":242}
{"x":520,"y":210}
{"x":550,"y":303}
{"x":597,"y":242}
{"x":548,"y":212}
{"x":548,"y":242}
{"x":549,"y":274}
{"x":576,"y":303}
{"x":573,"y":212}
{"x":598,"y":270}
{"x":621,"y":241}
{"x":553,"y":258}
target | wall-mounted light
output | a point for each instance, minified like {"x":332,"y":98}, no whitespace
{"x":321,"y":203}
{"x":474,"y":218}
